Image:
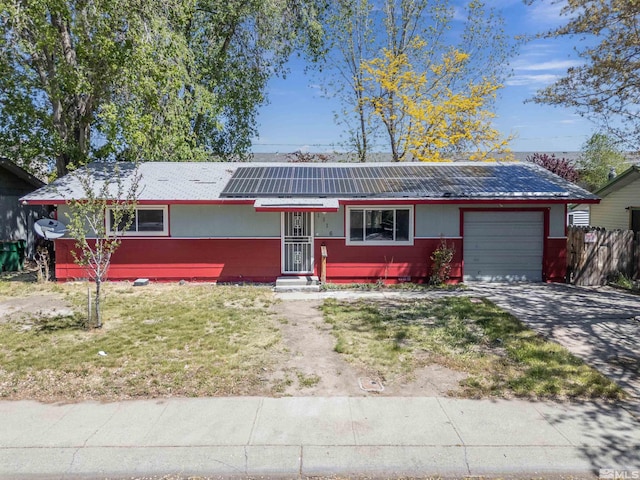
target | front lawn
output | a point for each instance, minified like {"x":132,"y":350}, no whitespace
{"x":207,"y":340}
{"x":161,"y":340}
{"x":502,"y":356}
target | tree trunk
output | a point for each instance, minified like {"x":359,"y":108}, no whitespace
{"x":97,"y":304}
{"x":362,"y":148}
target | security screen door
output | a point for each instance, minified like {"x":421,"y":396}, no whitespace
{"x":297,"y":242}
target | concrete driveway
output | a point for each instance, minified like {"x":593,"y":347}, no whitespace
{"x":600,"y":325}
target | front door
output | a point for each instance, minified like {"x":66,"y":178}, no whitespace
{"x":297,"y":242}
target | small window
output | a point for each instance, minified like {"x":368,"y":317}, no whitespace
{"x":634,"y":220}
{"x":381,"y":226}
{"x":146,"y":221}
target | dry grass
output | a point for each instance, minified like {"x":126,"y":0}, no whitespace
{"x":162,"y":340}
{"x":205,"y":340}
{"x":502,"y":356}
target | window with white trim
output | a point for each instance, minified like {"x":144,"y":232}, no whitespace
{"x":379,"y":225}
{"x":146,"y":221}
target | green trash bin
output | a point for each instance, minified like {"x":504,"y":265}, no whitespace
{"x":11,"y":260}
{"x":2,"y":256}
{"x":22,"y":252}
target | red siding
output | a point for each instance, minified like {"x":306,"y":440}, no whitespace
{"x":555,"y":260}
{"x":348,"y":263}
{"x":189,"y":259}
{"x":258,"y":260}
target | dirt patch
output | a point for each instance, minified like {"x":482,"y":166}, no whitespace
{"x":34,"y":306}
{"x":313,"y":368}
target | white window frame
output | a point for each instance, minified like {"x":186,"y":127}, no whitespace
{"x":366,"y":242}
{"x":135,"y":233}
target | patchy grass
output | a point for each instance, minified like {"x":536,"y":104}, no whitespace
{"x":381,"y":286}
{"x":501,"y":355}
{"x":307,"y":381}
{"x":162,"y":340}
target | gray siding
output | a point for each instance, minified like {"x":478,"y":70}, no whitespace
{"x":329,"y":224}
{"x":557,"y":221}
{"x":63,"y":216}
{"x":222,"y":221}
{"x":17,"y":221}
{"x":611,"y":212}
{"x":434,"y":221}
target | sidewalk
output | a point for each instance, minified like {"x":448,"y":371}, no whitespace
{"x":315,"y":436}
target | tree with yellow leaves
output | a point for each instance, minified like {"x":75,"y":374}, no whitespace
{"x":430,"y":115}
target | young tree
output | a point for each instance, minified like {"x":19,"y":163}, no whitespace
{"x":141,"y":80}
{"x":598,"y":157}
{"x":606,"y":87}
{"x":436,"y":121}
{"x":560,"y":166}
{"x":98,"y":219}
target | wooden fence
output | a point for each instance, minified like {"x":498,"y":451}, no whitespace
{"x":595,"y":256}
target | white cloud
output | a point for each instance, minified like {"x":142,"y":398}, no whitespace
{"x":536,"y":81}
{"x":523,"y":65}
{"x":546,"y":12}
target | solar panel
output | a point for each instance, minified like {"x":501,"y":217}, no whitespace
{"x":420,"y":180}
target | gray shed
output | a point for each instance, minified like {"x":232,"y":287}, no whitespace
{"x":16,"y":219}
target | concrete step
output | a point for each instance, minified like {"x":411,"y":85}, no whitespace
{"x":298,"y":283}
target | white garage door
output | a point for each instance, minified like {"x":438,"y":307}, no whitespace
{"x":503,"y":246}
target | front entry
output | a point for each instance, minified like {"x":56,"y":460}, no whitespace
{"x":297,"y":243}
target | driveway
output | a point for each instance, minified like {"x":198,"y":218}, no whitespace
{"x":600,"y":325}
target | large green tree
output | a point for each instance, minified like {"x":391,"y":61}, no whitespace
{"x":600,"y":157}
{"x":130,"y":79}
{"x":606,"y":87}
{"x":424,"y":33}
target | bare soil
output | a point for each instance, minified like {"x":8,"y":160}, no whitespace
{"x":23,"y":309}
{"x":311,"y":355}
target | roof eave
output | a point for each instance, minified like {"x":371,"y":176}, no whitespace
{"x":21,"y":173}
{"x":620,"y":181}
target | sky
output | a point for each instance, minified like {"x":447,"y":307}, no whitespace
{"x":300,"y":117}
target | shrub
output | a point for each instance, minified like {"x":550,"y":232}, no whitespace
{"x":441,"y":263}
{"x":560,"y":166}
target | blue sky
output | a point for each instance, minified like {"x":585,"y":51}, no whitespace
{"x":300,"y":117}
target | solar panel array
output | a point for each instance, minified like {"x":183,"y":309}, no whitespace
{"x":415,"y":180}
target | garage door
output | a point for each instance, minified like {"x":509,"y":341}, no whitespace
{"x":503,"y":246}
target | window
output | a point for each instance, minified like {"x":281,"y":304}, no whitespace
{"x":380,"y":225}
{"x":634,"y":219}
{"x":146,"y":221}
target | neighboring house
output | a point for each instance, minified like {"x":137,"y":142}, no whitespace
{"x":578,"y":217}
{"x":16,"y":222}
{"x":256,"y":222}
{"x":619,"y":208}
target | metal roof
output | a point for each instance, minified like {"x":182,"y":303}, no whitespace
{"x":167,"y":182}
